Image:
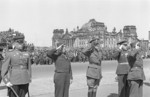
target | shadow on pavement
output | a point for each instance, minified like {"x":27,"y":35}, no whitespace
{"x":147,"y":84}
{"x":113,"y":95}
{"x":2,"y":87}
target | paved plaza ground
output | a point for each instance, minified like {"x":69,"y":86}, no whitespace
{"x":42,"y":84}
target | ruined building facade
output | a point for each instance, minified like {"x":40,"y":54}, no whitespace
{"x":81,"y":37}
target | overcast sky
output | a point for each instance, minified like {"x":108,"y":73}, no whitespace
{"x":37,"y":18}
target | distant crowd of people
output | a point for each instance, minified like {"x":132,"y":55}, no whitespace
{"x":39,"y":57}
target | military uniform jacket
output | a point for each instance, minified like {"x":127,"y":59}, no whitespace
{"x":1,"y":58}
{"x":123,"y":65}
{"x":136,"y":63}
{"x":62,"y":62}
{"x":94,"y":67}
{"x":16,"y":68}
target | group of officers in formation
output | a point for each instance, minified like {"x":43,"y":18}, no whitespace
{"x":16,"y":69}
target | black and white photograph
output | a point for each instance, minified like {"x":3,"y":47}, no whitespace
{"x":74,"y":48}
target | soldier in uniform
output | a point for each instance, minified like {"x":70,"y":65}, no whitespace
{"x":63,"y":72}
{"x":16,"y":70}
{"x":94,"y":68}
{"x":1,"y":58}
{"x":122,"y":68}
{"x":136,"y":74}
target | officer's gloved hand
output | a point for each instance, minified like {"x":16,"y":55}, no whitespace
{"x":9,"y":84}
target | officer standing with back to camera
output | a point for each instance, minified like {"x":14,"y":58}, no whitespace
{"x":16,"y":70}
{"x":93,"y":74}
{"x":136,"y":74}
{"x":63,"y":72}
{"x":122,"y":68}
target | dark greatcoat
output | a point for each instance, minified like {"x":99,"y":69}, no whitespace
{"x":63,"y":72}
{"x":136,"y":74}
{"x":122,"y":71}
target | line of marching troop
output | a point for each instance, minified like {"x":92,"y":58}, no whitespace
{"x":16,"y":69}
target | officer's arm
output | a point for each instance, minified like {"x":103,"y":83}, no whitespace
{"x":133,"y":53}
{"x":1,"y":57}
{"x":5,"y":70}
{"x":94,"y":60}
{"x":53,"y":54}
{"x":29,"y":68}
{"x":116,"y":54}
{"x":87,"y":51}
{"x":71,"y":77}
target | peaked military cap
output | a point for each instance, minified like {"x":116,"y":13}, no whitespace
{"x":93,"y":39}
{"x":121,"y":42}
{"x":19,"y":39}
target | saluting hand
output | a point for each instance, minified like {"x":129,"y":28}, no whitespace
{"x":59,"y":47}
{"x":9,"y":84}
{"x":137,"y":46}
{"x":121,"y":47}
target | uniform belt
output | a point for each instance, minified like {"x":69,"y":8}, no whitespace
{"x":19,"y":67}
{"x":98,"y":64}
{"x":61,"y":71}
{"x":124,"y":63}
{"x":94,"y":66}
